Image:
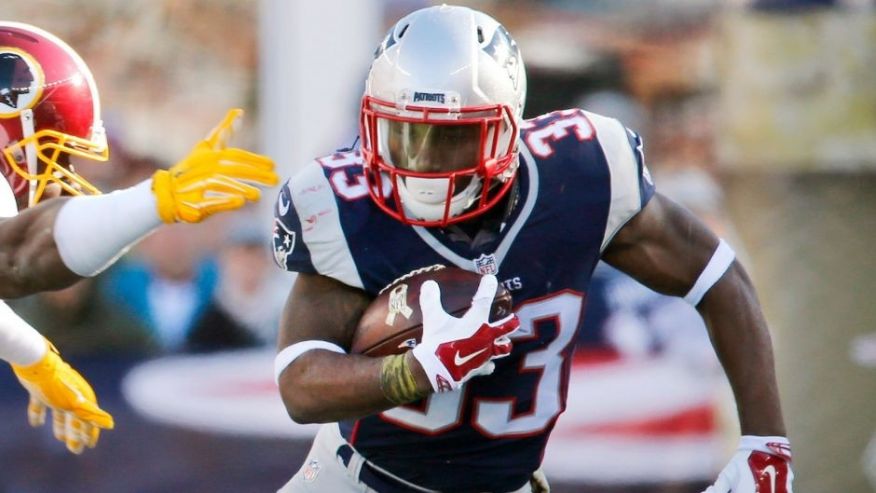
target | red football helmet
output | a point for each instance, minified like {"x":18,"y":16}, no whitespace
{"x":440,"y":116}
{"x":49,"y":110}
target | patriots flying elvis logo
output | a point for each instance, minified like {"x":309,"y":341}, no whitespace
{"x":283,"y":242}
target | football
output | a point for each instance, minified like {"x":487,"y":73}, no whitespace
{"x":393,"y":323}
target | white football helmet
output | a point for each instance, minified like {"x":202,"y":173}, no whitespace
{"x":440,"y":116}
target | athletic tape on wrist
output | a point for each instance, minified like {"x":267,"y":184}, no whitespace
{"x":93,"y":232}
{"x":290,"y":353}
{"x":717,"y":266}
{"x":397,"y":380}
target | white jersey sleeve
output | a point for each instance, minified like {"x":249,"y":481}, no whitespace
{"x":308,"y":236}
{"x":8,"y":205}
{"x":19,"y":342}
{"x":631,"y":184}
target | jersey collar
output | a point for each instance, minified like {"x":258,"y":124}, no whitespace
{"x":440,"y":243}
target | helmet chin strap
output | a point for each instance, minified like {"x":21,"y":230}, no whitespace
{"x":30,"y":152}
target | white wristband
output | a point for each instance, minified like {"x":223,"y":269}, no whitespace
{"x":717,"y":266}
{"x":93,"y":232}
{"x":775,"y":445}
{"x":290,"y":353}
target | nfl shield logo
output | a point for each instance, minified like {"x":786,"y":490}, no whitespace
{"x":486,"y":264}
{"x":311,"y":470}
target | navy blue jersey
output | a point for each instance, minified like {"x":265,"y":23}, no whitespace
{"x":581,"y":177}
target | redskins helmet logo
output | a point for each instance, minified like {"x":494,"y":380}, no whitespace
{"x":21,"y":81}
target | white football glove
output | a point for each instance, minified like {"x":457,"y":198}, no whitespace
{"x":453,"y":350}
{"x":760,"y":465}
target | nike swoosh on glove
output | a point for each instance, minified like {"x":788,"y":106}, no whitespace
{"x":760,"y":465}
{"x":453,"y":350}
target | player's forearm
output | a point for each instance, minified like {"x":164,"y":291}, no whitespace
{"x":59,"y":241}
{"x":742,"y":341}
{"x":322,"y":386}
{"x":29,"y":259}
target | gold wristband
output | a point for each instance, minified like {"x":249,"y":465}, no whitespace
{"x":397,"y":380}
{"x":161,"y":188}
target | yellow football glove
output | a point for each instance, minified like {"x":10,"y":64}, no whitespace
{"x":212,"y":178}
{"x":52,"y":383}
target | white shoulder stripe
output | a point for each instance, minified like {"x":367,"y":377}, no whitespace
{"x":321,"y":225}
{"x":626,"y":198}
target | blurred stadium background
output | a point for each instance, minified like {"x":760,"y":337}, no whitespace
{"x":760,"y":116}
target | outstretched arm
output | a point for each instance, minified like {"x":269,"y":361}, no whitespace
{"x":29,"y":259}
{"x":55,"y":243}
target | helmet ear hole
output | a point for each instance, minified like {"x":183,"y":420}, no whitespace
{"x":480,"y":35}
{"x":403,"y":31}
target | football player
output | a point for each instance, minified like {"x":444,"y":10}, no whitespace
{"x":49,"y":112}
{"x":449,"y":172}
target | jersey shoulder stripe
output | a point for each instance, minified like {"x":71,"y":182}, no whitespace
{"x":630,"y":181}
{"x":308,"y":236}
{"x":600,"y":158}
